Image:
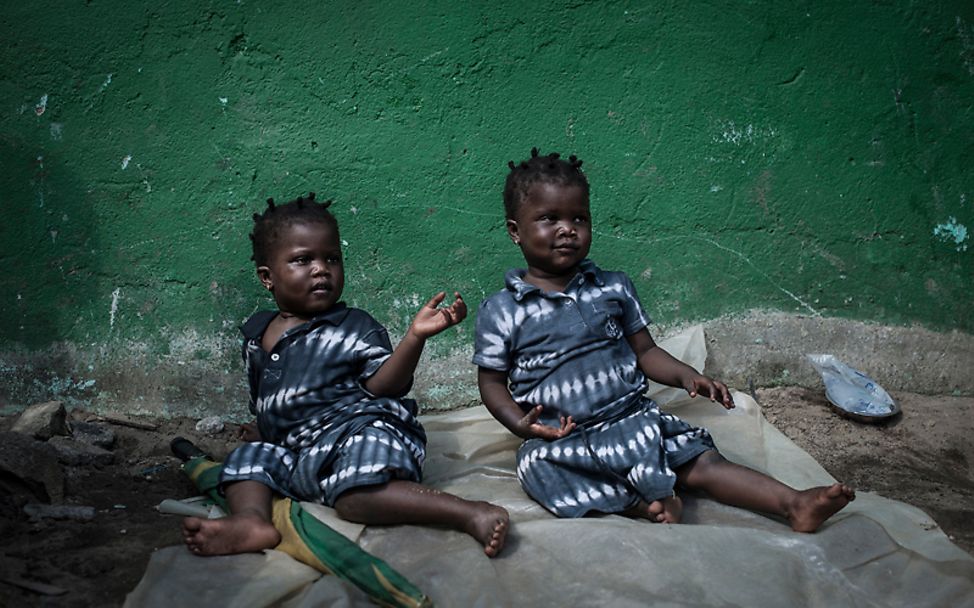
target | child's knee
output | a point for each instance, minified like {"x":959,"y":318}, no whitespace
{"x":697,"y":469}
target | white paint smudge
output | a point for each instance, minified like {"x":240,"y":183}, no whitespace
{"x":114,"y":309}
{"x":731,"y":133}
{"x":126,"y":161}
{"x":223,"y":101}
{"x":952,"y":231}
{"x":104,"y":85}
{"x":716,"y":188}
{"x":41,"y":106}
{"x":57,"y":130}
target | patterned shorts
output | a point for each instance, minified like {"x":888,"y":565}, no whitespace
{"x":609,"y":467}
{"x":321,"y":472}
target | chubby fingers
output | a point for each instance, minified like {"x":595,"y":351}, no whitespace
{"x":714,"y":389}
{"x":725,"y":397}
{"x":532,"y":416}
{"x":455,"y":312}
{"x":435,"y":300}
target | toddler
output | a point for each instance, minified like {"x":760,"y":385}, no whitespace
{"x":563,"y":354}
{"x":327,"y":390}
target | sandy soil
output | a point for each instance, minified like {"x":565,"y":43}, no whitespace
{"x":923,"y":457}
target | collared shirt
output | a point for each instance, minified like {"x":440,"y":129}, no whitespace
{"x":312,"y":381}
{"x":565,"y":350}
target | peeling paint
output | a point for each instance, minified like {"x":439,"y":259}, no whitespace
{"x":731,"y":133}
{"x":952,"y":231}
{"x":114,"y":308}
{"x":41,"y":106}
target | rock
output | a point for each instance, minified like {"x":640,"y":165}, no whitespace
{"x":30,"y":468}
{"x":75,"y":512}
{"x":43,"y":421}
{"x":76,"y":453}
{"x":210,"y":425}
{"x":93,"y":434}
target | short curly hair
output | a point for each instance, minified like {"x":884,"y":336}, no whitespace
{"x":550,"y":169}
{"x":269,"y":225}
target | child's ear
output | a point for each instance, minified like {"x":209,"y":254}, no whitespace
{"x":264,"y":274}
{"x":512,"y":232}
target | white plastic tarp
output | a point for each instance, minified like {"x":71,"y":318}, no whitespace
{"x":876,"y":552}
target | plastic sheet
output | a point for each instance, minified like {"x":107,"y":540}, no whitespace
{"x":876,"y":552}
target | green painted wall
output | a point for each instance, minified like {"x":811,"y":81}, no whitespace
{"x":806,"y":157}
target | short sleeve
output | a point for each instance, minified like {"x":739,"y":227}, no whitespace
{"x":493,"y":337}
{"x":375,"y":349}
{"x":634,"y":318}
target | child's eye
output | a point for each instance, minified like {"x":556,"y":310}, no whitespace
{"x":302,"y":259}
{"x":334,"y":259}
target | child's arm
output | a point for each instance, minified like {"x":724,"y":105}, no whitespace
{"x":497,"y":398}
{"x":660,"y":366}
{"x":395,"y":375}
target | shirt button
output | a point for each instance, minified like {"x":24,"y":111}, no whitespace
{"x":275,"y":357}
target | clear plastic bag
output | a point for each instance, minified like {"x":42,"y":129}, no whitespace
{"x":851,"y":392}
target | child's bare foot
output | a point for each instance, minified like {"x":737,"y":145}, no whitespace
{"x":665,"y":511}
{"x":672,"y":510}
{"x":242,"y":533}
{"x":812,"y":507}
{"x":489,"y":524}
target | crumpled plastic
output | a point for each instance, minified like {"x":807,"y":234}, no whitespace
{"x":875,"y":552}
{"x":852,"y":391}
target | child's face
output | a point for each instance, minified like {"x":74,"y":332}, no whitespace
{"x":553,"y":228}
{"x":305,"y":270}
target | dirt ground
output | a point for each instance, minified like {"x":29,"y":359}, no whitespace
{"x":924,"y":457}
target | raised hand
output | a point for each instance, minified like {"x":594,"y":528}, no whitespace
{"x":698,"y":384}
{"x":431,"y":320}
{"x":529,"y":426}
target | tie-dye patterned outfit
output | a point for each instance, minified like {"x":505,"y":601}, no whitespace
{"x":568,"y":352}
{"x":323,"y":432}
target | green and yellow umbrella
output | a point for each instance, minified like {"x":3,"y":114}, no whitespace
{"x":308,"y":540}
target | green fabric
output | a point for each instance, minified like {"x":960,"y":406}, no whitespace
{"x":330,"y":551}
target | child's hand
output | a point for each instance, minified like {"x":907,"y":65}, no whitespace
{"x":529,"y":426}
{"x":248,"y":431}
{"x":431,"y":320}
{"x":708,"y":387}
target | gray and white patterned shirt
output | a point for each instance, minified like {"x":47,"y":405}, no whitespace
{"x":312,"y":381}
{"x":566,"y":351}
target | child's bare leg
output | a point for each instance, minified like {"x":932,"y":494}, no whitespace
{"x":406,"y":502}
{"x":740,"y":486}
{"x":247,"y":529}
{"x":666,"y":510}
